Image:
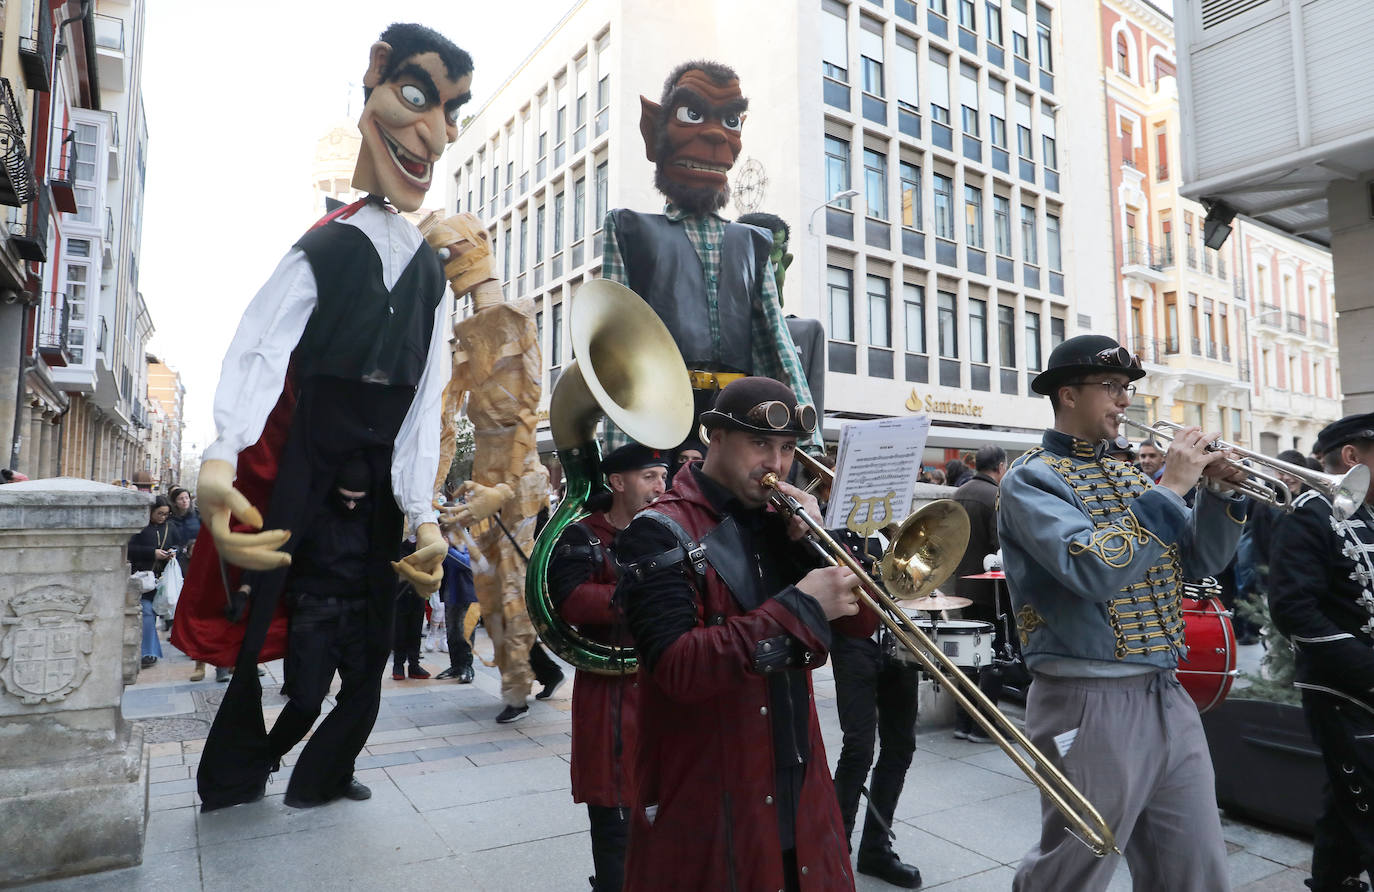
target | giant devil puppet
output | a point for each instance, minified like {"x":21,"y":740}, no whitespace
{"x":710,"y":281}
{"x":339,"y":364}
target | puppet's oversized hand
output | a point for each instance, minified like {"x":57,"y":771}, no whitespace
{"x":464,"y":247}
{"x":481,"y":502}
{"x":425,"y":568}
{"x":218,"y":501}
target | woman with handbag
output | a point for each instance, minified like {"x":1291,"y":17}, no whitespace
{"x":150,"y":549}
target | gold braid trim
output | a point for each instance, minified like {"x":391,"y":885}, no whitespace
{"x":1114,"y":547}
{"x":1027,"y":620}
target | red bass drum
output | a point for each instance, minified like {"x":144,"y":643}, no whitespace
{"x":1210,"y":670}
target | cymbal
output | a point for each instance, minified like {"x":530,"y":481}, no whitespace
{"x":938,"y":601}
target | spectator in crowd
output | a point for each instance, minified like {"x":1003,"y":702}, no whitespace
{"x":978,"y":496}
{"x":150,"y":549}
{"x":409,"y":625}
{"x":1151,"y":460}
{"x":186,"y":520}
{"x":957,"y":473}
{"x":459,"y":595}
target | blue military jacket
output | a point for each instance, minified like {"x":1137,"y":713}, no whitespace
{"x":1095,"y":554}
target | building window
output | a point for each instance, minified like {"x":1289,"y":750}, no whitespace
{"x":914,"y":316}
{"x":1161,"y":154}
{"x":603,"y":104}
{"x":949,"y":329}
{"x":1045,"y":47}
{"x":1056,"y":331}
{"x":1030,"y":249}
{"x":1020,"y":30}
{"x":968,"y":97}
{"x":840,"y":287}
{"x":1006,"y":336}
{"x":524,"y":241}
{"x":875,"y":183}
{"x":1047,"y":137}
{"x":879,"y":312}
{"x":87,"y":136}
{"x":579,"y":208}
{"x":1123,"y":54}
{"x":1025,"y":145}
{"x":978,"y":330}
{"x":556,"y":336}
{"x":997,"y":112}
{"x":944,"y":207}
{"x":837,"y":169}
{"x":505,"y":255}
{"x":603,"y":192}
{"x":967,"y":14}
{"x":834,"y":41}
{"x":939,"y":7}
{"x":871,"y":55}
{"x":1032,"y":341}
{"x":904,"y":73}
{"x":1052,"y":243}
{"x":911,"y":195}
{"x":973,"y":216}
{"x":939,"y":87}
{"x":994,"y":23}
{"x":539,"y":219}
{"x":1001,"y":224}
{"x":559,"y":201}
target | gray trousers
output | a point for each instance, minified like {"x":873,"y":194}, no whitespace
{"x":1140,"y":757}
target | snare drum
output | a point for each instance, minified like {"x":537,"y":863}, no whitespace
{"x":1210,"y":669}
{"x":967,"y":642}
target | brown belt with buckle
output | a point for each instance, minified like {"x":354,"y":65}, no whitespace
{"x":712,"y":380}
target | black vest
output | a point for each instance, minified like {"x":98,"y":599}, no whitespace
{"x":664,"y":269}
{"x":359,"y":330}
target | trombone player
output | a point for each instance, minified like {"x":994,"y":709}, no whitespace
{"x":1094,"y":556}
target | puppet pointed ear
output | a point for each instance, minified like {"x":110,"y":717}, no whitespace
{"x":377,"y":58}
{"x":650,"y":115}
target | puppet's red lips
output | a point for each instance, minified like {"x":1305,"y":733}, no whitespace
{"x":414,"y":167}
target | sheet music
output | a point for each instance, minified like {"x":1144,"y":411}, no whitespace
{"x":876,"y":470}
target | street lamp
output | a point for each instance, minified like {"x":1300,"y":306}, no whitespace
{"x":839,"y":196}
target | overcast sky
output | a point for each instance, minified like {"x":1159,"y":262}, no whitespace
{"x":237,"y":95}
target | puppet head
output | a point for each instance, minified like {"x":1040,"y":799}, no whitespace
{"x":692,"y":134}
{"x":780,"y":231}
{"x":416,"y":82}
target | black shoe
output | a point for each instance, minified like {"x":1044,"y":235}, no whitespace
{"x":550,"y":686}
{"x":465,"y":675}
{"x":512,"y":714}
{"x":356,"y":790}
{"x":977,"y":736}
{"x":448,"y":673}
{"x":148,"y":661}
{"x":887,"y":867}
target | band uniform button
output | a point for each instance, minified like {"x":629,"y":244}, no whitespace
{"x":805,"y":870}
{"x":768,"y":800}
{"x":763,"y":710}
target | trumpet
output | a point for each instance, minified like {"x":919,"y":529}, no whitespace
{"x":923,"y":553}
{"x":1346,"y":492}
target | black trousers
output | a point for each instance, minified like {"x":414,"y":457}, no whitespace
{"x":876,"y":697}
{"x":459,"y":648}
{"x":610,"y":834}
{"x":410,"y":626}
{"x":327,"y":634}
{"x":543,"y":666}
{"x":1344,"y":844}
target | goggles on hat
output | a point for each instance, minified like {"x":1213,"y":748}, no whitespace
{"x":1117,"y":357}
{"x":776,"y":414}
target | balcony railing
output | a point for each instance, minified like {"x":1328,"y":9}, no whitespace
{"x":16,"y":184}
{"x":1296,"y":323}
{"x":1206,"y":261}
{"x":1243,"y":366}
{"x":1321,"y":331}
{"x":62,"y":170}
{"x":1211,"y":349}
{"x":1269,"y":315}
{"x":1142,"y":253}
{"x":1197,"y":346}
{"x":1225,"y":352}
{"x":1162,"y":172}
{"x":35,"y":50}
{"x":53,"y":328}
{"x":1171,"y":344}
{"x":1221,"y":267}
{"x":1240,"y":287}
{"x":1148,"y":349}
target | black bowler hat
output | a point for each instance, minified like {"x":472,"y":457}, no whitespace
{"x":634,"y":457}
{"x":1347,"y":430}
{"x":1082,"y":355}
{"x":761,"y":405}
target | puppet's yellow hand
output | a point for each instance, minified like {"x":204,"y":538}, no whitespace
{"x":425,"y":568}
{"x":219,"y":500}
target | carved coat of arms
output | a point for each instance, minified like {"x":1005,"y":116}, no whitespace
{"x":45,"y":644}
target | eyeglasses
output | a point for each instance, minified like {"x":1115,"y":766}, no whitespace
{"x":1114,"y":388}
{"x":777,"y":415}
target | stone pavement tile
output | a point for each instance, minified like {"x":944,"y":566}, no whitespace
{"x":448,"y":728}
{"x":940,"y":860}
{"x":1015,"y":816}
{"x":943,"y":741}
{"x":464,"y":786}
{"x":165,"y":760}
{"x":991,"y":758}
{"x":514,"y":754}
{"x":171,"y":748}
{"x":143,"y":703}
{"x":417,"y":768}
{"x":1289,"y":880}
{"x":171,"y":830}
{"x":172,"y":871}
{"x":1245,"y":867}
{"x":272,"y":817}
{"x":192,"y":746}
{"x":996,"y":880}
{"x":408,"y":732}
{"x":405,"y":746}
{"x":391,"y":723}
{"x":365,"y":853}
{"x":183,"y":784}
{"x":384,"y":761}
{"x":935,"y":786}
{"x":175,"y":800}
{"x":168,"y":773}
{"x":555,"y":864}
{"x":505,"y":822}
{"x":493,"y":734}
{"x":1290,"y":851}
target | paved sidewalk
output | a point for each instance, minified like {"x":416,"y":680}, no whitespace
{"x":461,"y":801}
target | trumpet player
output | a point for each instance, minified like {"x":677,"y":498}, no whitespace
{"x":1094,"y":556}
{"x":729,"y":614}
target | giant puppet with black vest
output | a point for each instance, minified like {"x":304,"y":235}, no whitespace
{"x":329,"y":395}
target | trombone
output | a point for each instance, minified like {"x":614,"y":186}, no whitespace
{"x":1346,"y":492}
{"x":922,"y":554}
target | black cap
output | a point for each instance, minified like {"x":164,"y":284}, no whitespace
{"x":634,"y":457}
{"x":1085,"y":354}
{"x":1347,"y":430}
{"x":354,"y":475}
{"x":761,"y":405}
{"x":690,"y":443}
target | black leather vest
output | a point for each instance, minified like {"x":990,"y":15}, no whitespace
{"x":664,"y":269}
{"x":360,"y":331}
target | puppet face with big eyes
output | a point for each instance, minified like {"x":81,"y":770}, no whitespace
{"x":406,"y":122}
{"x":694,"y":139}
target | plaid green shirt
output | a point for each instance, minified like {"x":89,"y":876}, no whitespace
{"x":774,"y":355}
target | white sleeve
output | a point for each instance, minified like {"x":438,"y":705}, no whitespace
{"x":254,"y":368}
{"x":415,"y":454}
